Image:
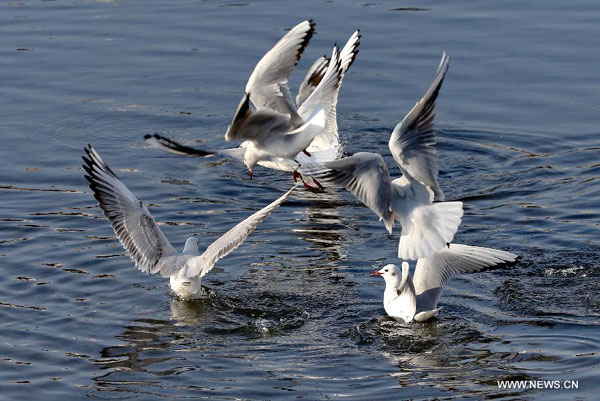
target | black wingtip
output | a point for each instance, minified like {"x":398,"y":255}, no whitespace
{"x":147,"y":136}
{"x":354,"y":54}
{"x":94,"y":159}
{"x":88,"y":152}
{"x":317,"y":75}
{"x":243,"y":107}
{"x":307,"y":37}
{"x":171,"y":146}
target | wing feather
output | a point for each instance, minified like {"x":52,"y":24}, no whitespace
{"x":324,"y":94}
{"x":329,"y":138}
{"x":366,"y":176}
{"x":313,"y":76}
{"x":432,"y":273}
{"x":200,"y":265}
{"x":257,"y":125}
{"x":130,"y":219}
{"x":413,"y":141}
{"x":268,"y":83}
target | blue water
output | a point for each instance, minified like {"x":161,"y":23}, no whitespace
{"x":293,"y":313}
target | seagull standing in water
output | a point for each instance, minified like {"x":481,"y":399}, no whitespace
{"x":426,"y":226}
{"x":416,"y":298}
{"x":145,"y":242}
{"x":268,"y":88}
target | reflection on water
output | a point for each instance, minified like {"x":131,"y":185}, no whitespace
{"x":322,"y":227}
{"x":190,"y":313}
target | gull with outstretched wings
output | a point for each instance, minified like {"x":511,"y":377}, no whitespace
{"x":144,"y":241}
{"x":275,"y":126}
{"x":426,"y":226}
{"x":268,"y":90}
{"x":416,"y":298}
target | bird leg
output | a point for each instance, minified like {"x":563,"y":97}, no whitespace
{"x":321,"y":187}
{"x":296,"y":175}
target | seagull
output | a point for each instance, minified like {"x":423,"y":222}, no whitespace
{"x":144,"y":241}
{"x":426,"y":226}
{"x":326,"y":145}
{"x":278,"y":128}
{"x":417,"y":298}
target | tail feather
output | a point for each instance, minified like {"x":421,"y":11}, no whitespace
{"x":428,"y":228}
{"x":389,"y":222}
{"x":426,"y":315}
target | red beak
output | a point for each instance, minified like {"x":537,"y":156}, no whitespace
{"x":250,"y":173}
{"x":375,"y":273}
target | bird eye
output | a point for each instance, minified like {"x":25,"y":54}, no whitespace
{"x":386,"y":270}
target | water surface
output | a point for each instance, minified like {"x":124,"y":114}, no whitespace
{"x":293,"y":313}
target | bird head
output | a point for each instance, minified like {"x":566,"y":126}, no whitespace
{"x":392,"y":273}
{"x":250,"y":160}
{"x":191,"y":245}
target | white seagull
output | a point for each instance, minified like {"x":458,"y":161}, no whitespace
{"x":269,"y":89}
{"x":416,"y":298}
{"x":145,"y":243}
{"x":426,"y":226}
{"x":278,"y":128}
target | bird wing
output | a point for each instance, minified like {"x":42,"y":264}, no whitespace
{"x":313,"y":76}
{"x":130,"y":219}
{"x":325,"y":92}
{"x":200,"y":265}
{"x":426,"y":227}
{"x":366,"y":176}
{"x":171,"y":146}
{"x":268,"y":83}
{"x":329,"y":138}
{"x":412,"y":142}
{"x":432,"y":273}
{"x":256,"y":125}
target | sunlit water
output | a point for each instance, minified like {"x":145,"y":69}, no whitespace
{"x":293,"y":313}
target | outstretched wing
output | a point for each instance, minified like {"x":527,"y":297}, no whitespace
{"x":329,"y":138}
{"x":366,"y":176}
{"x":432,"y":273}
{"x":313,"y":76}
{"x":268,"y":84}
{"x":200,"y":265}
{"x":130,"y":219}
{"x":325,"y":93}
{"x":169,"y":145}
{"x":412,"y":142}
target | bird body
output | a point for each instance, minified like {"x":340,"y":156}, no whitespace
{"x":144,"y":241}
{"x":267,"y":90}
{"x":427,"y":226}
{"x":416,"y":298}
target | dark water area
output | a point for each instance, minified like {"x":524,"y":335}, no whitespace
{"x":293,"y":314}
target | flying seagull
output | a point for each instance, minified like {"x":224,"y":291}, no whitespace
{"x":277,"y":127}
{"x":426,"y":226}
{"x":326,"y":145}
{"x":144,"y":241}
